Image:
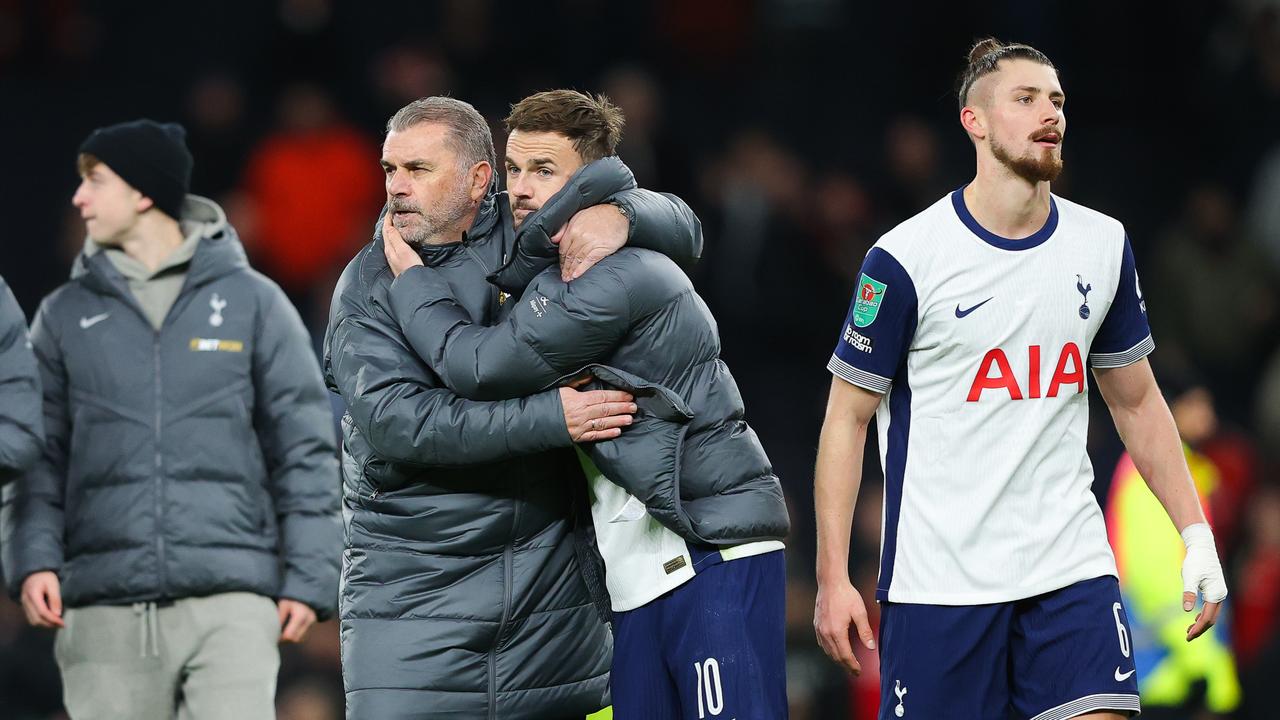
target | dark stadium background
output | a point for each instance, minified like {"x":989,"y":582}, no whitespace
{"x":799,"y":130}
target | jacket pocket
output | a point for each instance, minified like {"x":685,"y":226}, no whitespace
{"x":363,"y":472}
{"x":653,"y":398}
{"x":256,"y":473}
{"x":97,"y":477}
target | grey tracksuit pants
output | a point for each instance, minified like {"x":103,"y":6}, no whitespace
{"x":198,"y":659}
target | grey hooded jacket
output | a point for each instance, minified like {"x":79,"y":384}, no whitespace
{"x":463,"y":593}
{"x":188,"y":461}
{"x":634,"y":322}
{"x":21,"y":428}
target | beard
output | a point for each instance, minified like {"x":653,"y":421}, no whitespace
{"x":521,"y":204}
{"x":1035,"y":166}
{"x":445,"y":214}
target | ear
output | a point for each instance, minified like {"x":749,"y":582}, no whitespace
{"x":974,"y":121}
{"x":142,"y":203}
{"x":481,"y":175}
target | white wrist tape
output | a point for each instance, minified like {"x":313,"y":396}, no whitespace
{"x":1201,"y":570}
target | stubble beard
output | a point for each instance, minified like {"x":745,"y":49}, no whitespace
{"x":1034,"y":167}
{"x":520,"y":204}
{"x":435,"y":227}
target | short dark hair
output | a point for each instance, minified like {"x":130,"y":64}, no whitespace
{"x":984,"y":59}
{"x":591,"y":122}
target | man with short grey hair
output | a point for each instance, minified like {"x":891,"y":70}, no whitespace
{"x":465,"y":593}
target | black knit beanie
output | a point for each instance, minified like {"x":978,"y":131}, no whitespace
{"x":150,"y":156}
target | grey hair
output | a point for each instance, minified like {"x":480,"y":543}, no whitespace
{"x":469,"y":134}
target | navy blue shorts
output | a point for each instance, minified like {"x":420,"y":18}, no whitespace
{"x":714,"y":647}
{"x":1049,"y":657}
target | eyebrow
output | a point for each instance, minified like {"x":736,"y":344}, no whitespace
{"x":532,"y":161}
{"x":411,"y":164}
{"x":1033,"y":89}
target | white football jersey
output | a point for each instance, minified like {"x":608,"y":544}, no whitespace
{"x":980,"y":346}
{"x":643,"y":559}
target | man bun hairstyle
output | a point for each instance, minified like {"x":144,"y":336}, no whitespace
{"x":591,"y":122}
{"x":984,"y":59}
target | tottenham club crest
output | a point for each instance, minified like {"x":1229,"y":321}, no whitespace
{"x":901,"y":692}
{"x":1084,"y":291}
{"x":217,"y":304}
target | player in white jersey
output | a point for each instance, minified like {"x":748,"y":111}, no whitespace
{"x":968,"y":339}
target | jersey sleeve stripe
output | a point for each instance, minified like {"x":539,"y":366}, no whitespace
{"x":861,"y":378}
{"x":1127,"y":357}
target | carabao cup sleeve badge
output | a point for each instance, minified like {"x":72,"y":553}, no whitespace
{"x":867,"y":305}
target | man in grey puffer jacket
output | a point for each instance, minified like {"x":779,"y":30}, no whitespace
{"x":688,"y":513}
{"x":463,"y":592}
{"x":21,"y":428}
{"x":185,"y":509}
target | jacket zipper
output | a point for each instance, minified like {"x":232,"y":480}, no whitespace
{"x":507,"y":579}
{"x":502,"y":628}
{"x":179,"y":303}
{"x":476,"y":256}
{"x":494,"y":305}
{"x":158,"y":483}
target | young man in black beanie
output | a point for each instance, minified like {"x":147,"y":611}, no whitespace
{"x":185,"y":511}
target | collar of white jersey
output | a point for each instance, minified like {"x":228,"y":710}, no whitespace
{"x":1034,"y":240}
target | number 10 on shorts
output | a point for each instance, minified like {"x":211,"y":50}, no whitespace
{"x":710,"y":695}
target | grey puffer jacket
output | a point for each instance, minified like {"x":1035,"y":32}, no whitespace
{"x":634,"y":322}
{"x":21,"y":427}
{"x":463,"y":593}
{"x":188,"y":461}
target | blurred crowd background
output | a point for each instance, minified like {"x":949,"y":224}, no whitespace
{"x":799,"y":130}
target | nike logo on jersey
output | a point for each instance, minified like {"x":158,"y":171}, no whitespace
{"x":1121,"y":677}
{"x":962,"y":313}
{"x":88,"y":322}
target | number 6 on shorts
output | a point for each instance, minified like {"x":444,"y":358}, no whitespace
{"x":1120,"y":629}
